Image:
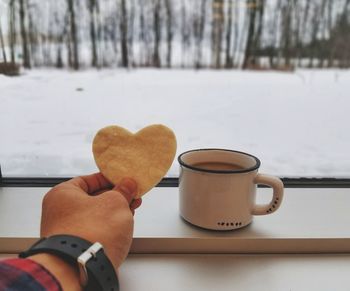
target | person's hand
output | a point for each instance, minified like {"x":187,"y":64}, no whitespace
{"x":87,"y":207}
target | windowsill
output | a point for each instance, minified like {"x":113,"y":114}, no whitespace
{"x":309,"y":221}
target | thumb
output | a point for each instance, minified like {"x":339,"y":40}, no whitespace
{"x":128,"y":188}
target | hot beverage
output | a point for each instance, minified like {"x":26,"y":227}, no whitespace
{"x":218,"y":188}
{"x":218,"y":166}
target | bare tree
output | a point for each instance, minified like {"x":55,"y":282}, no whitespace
{"x":24,"y":34}
{"x":315,"y":27}
{"x":304,"y":24}
{"x":330,"y":13}
{"x":321,"y":54}
{"x":73,"y":37}
{"x":131,"y":23}
{"x":144,"y":52}
{"x":157,"y":32}
{"x":2,"y":44}
{"x":228,"y":50}
{"x":33,"y":33}
{"x":61,"y":28}
{"x":236,"y":33}
{"x":273,"y":32}
{"x":198,"y":32}
{"x":185,"y":33}
{"x":145,"y":33}
{"x":345,"y":16}
{"x":108,"y":32}
{"x":297,"y":16}
{"x":12,"y":29}
{"x":259,"y":28}
{"x":92,"y":6}
{"x":340,"y":37}
{"x":124,"y":34}
{"x":218,"y":20}
{"x":169,"y":30}
{"x":46,"y":37}
{"x":286,"y":32}
{"x":249,"y":57}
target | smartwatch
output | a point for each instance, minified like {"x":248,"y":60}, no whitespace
{"x":96,"y":272}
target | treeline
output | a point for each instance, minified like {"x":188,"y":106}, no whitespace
{"x":248,"y":34}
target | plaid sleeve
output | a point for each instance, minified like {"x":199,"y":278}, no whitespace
{"x":25,"y":274}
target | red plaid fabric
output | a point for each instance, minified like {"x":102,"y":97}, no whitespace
{"x":25,"y":274}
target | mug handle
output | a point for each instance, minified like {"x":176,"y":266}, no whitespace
{"x":277,"y":195}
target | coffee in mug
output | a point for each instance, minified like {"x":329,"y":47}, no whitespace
{"x":217,"y":166}
{"x":218,"y":188}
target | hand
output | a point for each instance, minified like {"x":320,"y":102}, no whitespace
{"x":87,"y":207}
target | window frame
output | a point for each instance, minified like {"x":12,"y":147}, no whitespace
{"x":289,"y":182}
{"x":174,"y":182}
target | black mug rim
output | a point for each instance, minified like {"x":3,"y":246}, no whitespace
{"x":250,"y":169}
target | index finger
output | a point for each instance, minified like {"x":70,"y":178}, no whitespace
{"x":91,"y":183}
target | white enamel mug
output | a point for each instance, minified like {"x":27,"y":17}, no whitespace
{"x":223,"y":199}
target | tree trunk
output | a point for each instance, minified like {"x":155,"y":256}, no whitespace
{"x":274,"y":32}
{"x":124,"y":34}
{"x":304,"y":24}
{"x":59,"y":61}
{"x":45,"y":39}
{"x":218,"y":19}
{"x":33,"y":37}
{"x":344,"y":58}
{"x":113,"y":35}
{"x":130,"y":37}
{"x":12,"y":29}
{"x":330,"y":25}
{"x":248,"y":55}
{"x":143,"y":37}
{"x":2,"y":44}
{"x":286,"y":33}
{"x":228,"y":57}
{"x":198,"y":31}
{"x":317,"y":17}
{"x":68,"y":41}
{"x":322,"y":49}
{"x":236,"y":33}
{"x":157,"y":32}
{"x":259,"y":30}
{"x":184,"y":35}
{"x":24,"y":35}
{"x":92,"y":10}
{"x":73,"y":34}
{"x":99,"y":39}
{"x":69,"y":52}
{"x":169,"y":31}
{"x":297,"y":32}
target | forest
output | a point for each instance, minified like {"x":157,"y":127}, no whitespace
{"x":218,"y":34}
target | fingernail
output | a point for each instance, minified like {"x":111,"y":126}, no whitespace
{"x":127,"y":186}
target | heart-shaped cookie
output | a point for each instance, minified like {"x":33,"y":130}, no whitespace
{"x":145,"y":156}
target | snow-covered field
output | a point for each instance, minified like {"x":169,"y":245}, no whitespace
{"x":298,"y":124}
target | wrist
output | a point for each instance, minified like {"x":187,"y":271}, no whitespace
{"x":87,"y":259}
{"x":65,"y":273}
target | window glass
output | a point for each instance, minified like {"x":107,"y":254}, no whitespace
{"x":268,"y":77}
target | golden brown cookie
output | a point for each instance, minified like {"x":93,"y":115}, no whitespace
{"x":145,"y":156}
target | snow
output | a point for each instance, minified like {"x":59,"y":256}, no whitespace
{"x":298,"y":124}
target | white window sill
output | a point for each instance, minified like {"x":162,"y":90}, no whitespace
{"x":309,"y":221}
{"x":208,"y":272}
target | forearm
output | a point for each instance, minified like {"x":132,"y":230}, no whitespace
{"x":67,"y":275}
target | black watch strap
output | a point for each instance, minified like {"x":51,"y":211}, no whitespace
{"x":92,"y":260}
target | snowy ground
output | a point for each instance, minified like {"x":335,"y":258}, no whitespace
{"x":298,"y":124}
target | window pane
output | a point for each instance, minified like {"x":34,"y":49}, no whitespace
{"x":267,"y":77}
